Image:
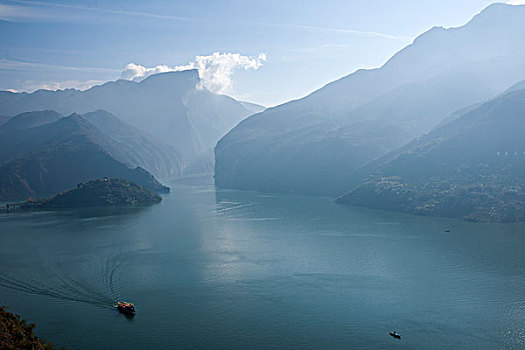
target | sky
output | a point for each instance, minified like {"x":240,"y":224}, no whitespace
{"x":262,"y":51}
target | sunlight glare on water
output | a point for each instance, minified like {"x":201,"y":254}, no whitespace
{"x":227,"y":269}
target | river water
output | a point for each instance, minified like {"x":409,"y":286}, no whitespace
{"x":225,"y":269}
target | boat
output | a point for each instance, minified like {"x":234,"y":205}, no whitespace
{"x":126,"y":308}
{"x":395,"y":335}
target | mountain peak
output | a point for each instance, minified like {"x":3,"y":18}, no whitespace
{"x":497,"y":6}
{"x":31,"y":119}
{"x":520,"y":85}
{"x":496,"y":10}
{"x":311,"y":145}
{"x":188,"y":75}
{"x":75,"y":116}
{"x":74,"y":121}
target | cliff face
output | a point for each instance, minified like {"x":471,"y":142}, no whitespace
{"x":311,"y":145}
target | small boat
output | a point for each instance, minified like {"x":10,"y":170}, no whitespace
{"x":126,"y":308}
{"x":395,"y":335}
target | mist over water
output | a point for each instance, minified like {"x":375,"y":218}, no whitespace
{"x":210,"y":268}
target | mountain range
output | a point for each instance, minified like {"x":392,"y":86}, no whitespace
{"x":44,"y":153}
{"x":315,"y":145}
{"x":169,"y":106}
{"x":472,"y":167}
{"x":437,"y":130}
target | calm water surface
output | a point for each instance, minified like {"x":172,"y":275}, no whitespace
{"x":224,"y":269}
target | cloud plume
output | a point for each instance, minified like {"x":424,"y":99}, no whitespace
{"x":215,"y":70}
{"x":137,"y":72}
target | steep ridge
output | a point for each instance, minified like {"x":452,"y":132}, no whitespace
{"x":253,"y":107}
{"x":30,"y":119}
{"x":124,"y":142}
{"x":169,"y":106}
{"x":471,"y":168}
{"x":46,"y":159}
{"x":137,"y":147}
{"x":312,"y":145}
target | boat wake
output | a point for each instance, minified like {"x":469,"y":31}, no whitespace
{"x":98,"y":290}
{"x":69,"y":290}
{"x":231,"y":207}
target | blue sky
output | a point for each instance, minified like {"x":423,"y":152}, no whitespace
{"x":306,"y":44}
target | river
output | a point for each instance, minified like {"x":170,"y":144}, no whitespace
{"x":225,"y":269}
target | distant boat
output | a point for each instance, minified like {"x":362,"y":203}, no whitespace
{"x":126,"y":308}
{"x":447,"y":230}
{"x":395,"y":335}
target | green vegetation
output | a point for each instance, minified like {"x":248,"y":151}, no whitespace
{"x":43,"y":160}
{"x":17,"y":334}
{"x":474,"y":201}
{"x":471,"y":168}
{"x":98,"y":193}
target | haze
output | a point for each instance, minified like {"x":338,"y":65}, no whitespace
{"x":76,"y":44}
{"x":262,"y":174}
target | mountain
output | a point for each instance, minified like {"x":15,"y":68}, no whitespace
{"x":124,"y":142}
{"x":18,"y":333}
{"x":30,"y":119}
{"x":49,"y":158}
{"x":471,"y":168}
{"x":137,"y":147}
{"x":252,"y":107}
{"x":170,"y":106}
{"x":312,"y":145}
{"x":101,"y":192}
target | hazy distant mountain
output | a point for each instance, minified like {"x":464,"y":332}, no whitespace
{"x":313,"y":144}
{"x":137,"y":148}
{"x":252,"y":107}
{"x":520,"y":85}
{"x":124,"y":142}
{"x":169,"y":106}
{"x":472,"y":168}
{"x":30,"y":119}
{"x":51,"y":157}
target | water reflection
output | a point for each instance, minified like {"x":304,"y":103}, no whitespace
{"x":211,"y":268}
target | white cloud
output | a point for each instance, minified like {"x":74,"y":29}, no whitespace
{"x":136,"y":72}
{"x":215,"y":70}
{"x":516,"y":2}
